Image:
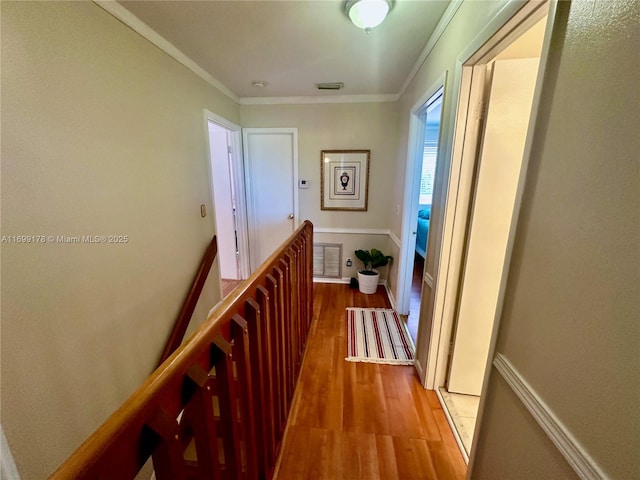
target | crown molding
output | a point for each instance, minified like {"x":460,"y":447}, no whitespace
{"x":303,"y":100}
{"x":125,"y":16}
{"x":442,"y":25}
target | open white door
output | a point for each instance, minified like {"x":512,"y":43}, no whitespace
{"x":271,"y":174}
{"x":510,"y":103}
{"x":224,"y":201}
{"x":224,"y":141}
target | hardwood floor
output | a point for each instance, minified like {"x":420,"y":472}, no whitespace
{"x":229,"y":286}
{"x":415,"y":297}
{"x":365,"y":421}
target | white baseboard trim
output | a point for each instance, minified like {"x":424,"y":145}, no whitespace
{"x":452,"y":425}
{"x":419,"y":369}
{"x":352,"y":231}
{"x":575,"y":454}
{"x":330,"y":280}
{"x":395,"y":239}
{"x":392,"y":299}
{"x":347,"y":280}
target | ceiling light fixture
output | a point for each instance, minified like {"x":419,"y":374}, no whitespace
{"x":259,"y":83}
{"x":367,"y":14}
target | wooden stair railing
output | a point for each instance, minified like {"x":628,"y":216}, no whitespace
{"x":186,"y":312}
{"x":217,"y":407}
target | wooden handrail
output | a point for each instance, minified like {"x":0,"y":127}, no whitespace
{"x":186,"y":312}
{"x":244,"y":360}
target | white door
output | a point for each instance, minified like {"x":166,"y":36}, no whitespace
{"x":501,"y":155}
{"x":228,"y":194}
{"x":224,"y":201}
{"x":271,"y":173}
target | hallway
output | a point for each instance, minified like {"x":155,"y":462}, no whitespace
{"x":361,"y":420}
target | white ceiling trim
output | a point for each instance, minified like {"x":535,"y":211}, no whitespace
{"x":137,"y":25}
{"x":392,"y":97}
{"x":447,"y":16}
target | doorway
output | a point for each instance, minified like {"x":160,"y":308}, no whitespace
{"x":227,"y":190}
{"x":429,"y":118}
{"x":426,"y":118}
{"x":491,"y":130}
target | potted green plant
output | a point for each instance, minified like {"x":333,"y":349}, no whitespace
{"x":369,"y":276}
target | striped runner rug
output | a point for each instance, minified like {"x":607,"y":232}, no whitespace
{"x":378,"y":335}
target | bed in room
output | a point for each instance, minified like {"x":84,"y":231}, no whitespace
{"x":423,"y":231}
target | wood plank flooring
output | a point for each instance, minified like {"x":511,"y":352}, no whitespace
{"x":361,"y":421}
{"x":229,"y":286}
{"x":415,"y":297}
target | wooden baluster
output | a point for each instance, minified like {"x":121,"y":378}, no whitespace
{"x":258,"y":372}
{"x":301,"y":297}
{"x":274,"y":289}
{"x":292,"y":322}
{"x":286,"y":329}
{"x":280,"y":350}
{"x":267,"y":373}
{"x":168,"y":459}
{"x":241,"y":343}
{"x":293,"y":288}
{"x":306,"y":308}
{"x":309,"y":275}
{"x":227,"y":398}
{"x":203,"y":423}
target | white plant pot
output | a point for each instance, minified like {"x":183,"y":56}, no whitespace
{"x":368,"y":283}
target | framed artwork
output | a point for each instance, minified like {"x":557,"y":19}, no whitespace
{"x":344,"y":179}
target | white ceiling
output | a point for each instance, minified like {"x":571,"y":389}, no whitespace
{"x":294,"y":44}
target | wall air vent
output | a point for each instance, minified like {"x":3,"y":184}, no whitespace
{"x":330,"y":86}
{"x":327,"y":260}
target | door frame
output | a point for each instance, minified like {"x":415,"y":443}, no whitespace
{"x":477,"y":188}
{"x":235,"y":140}
{"x":467,"y":111}
{"x":413,"y":174}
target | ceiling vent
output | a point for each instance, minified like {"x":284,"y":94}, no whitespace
{"x":330,"y":86}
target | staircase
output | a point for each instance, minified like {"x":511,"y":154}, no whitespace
{"x":217,"y":406}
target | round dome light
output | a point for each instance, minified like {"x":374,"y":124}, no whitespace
{"x":367,"y":14}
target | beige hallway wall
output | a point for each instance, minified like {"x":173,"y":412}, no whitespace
{"x":340,"y":126}
{"x":569,"y":333}
{"x":102,"y":134}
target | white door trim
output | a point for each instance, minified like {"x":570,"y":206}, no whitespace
{"x":415,"y":149}
{"x":507,"y":25}
{"x":238,"y":184}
